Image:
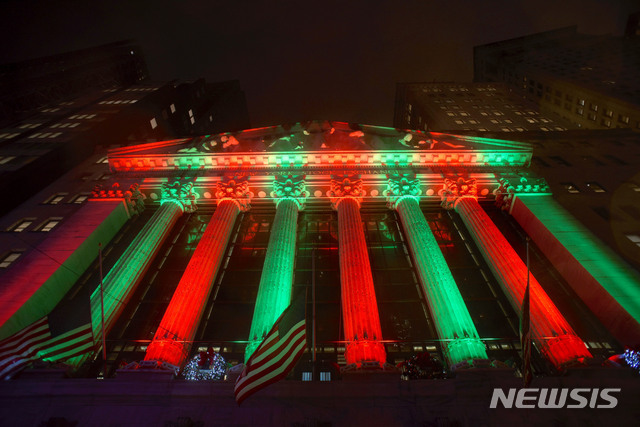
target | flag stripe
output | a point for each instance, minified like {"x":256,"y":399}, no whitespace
{"x":278,"y":353}
{"x":262,"y":356}
{"x":35,"y":342}
{"x":287,"y":347}
{"x":273,"y":375}
{"x":13,"y":345}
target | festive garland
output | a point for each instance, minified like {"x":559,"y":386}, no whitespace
{"x":632,"y":358}
{"x":208,"y":365}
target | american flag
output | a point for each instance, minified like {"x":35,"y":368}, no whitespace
{"x":277,"y":354}
{"x":525,"y":339}
{"x":38,"y":342}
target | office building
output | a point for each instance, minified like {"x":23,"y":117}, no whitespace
{"x":462,"y":107}
{"x":592,"y":81}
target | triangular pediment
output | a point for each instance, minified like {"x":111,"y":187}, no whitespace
{"x":320,"y":143}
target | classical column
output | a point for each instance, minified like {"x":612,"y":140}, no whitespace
{"x":274,"y":292}
{"x":174,"y":337}
{"x":359,"y":306}
{"x":122,"y":280}
{"x":551,"y":333}
{"x":454,"y":325}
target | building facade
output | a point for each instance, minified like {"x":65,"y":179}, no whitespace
{"x":590,"y":81}
{"x":411,"y":241}
{"x":462,"y":107}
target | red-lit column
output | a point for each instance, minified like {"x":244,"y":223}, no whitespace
{"x":174,"y":337}
{"x":276,"y":281}
{"x":362,"y":330}
{"x":550,"y":331}
{"x":453,"y":322}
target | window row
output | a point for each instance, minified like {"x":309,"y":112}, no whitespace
{"x":24,"y":224}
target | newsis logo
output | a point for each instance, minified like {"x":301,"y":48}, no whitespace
{"x":554,"y":398}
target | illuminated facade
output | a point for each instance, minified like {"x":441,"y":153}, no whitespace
{"x":414,"y":242}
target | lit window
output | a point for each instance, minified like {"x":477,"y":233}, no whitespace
{"x":192,"y":120}
{"x":80,"y":198}
{"x":307,"y":376}
{"x":210,"y":118}
{"x":325,"y":376}
{"x":55,"y":135}
{"x":49,"y":224}
{"x":172,"y":107}
{"x":608,"y":113}
{"x":22,"y":225}
{"x":55,"y":199}
{"x":72,"y":125}
{"x":623,"y":119}
{"x":593,"y":107}
{"x":154,"y":123}
{"x":634,"y":238}
{"x":191,"y":113}
{"x":9,"y":258}
{"x":451,"y":113}
{"x":45,"y":135}
{"x":592,"y":117}
{"x":581,"y":102}
{"x":579,"y":111}
{"x":35,"y":135}
{"x":595,"y":187}
{"x":459,"y":122}
{"x":570,"y":187}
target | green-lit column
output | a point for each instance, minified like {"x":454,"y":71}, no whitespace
{"x":450,"y":314}
{"x":274,"y":292}
{"x":122,"y":280}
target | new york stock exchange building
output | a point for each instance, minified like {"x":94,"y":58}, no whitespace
{"x":413,"y":250}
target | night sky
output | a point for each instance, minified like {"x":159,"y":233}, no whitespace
{"x":321,"y":60}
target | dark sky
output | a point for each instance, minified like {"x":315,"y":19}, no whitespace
{"x":301,"y":60}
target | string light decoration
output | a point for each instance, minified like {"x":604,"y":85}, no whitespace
{"x":208,"y":365}
{"x":632,"y":358}
{"x":422,"y":366}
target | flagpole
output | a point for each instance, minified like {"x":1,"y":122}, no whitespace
{"x":104,"y":347}
{"x":527,"y":374}
{"x":313,"y":308}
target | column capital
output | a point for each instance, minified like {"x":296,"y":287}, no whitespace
{"x":292,"y":187}
{"x":456,"y":189}
{"x":133,"y":197}
{"x":179,"y":193}
{"x":513,"y":184}
{"x":343,"y":187}
{"x":400,"y":187}
{"x":236,"y":189}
